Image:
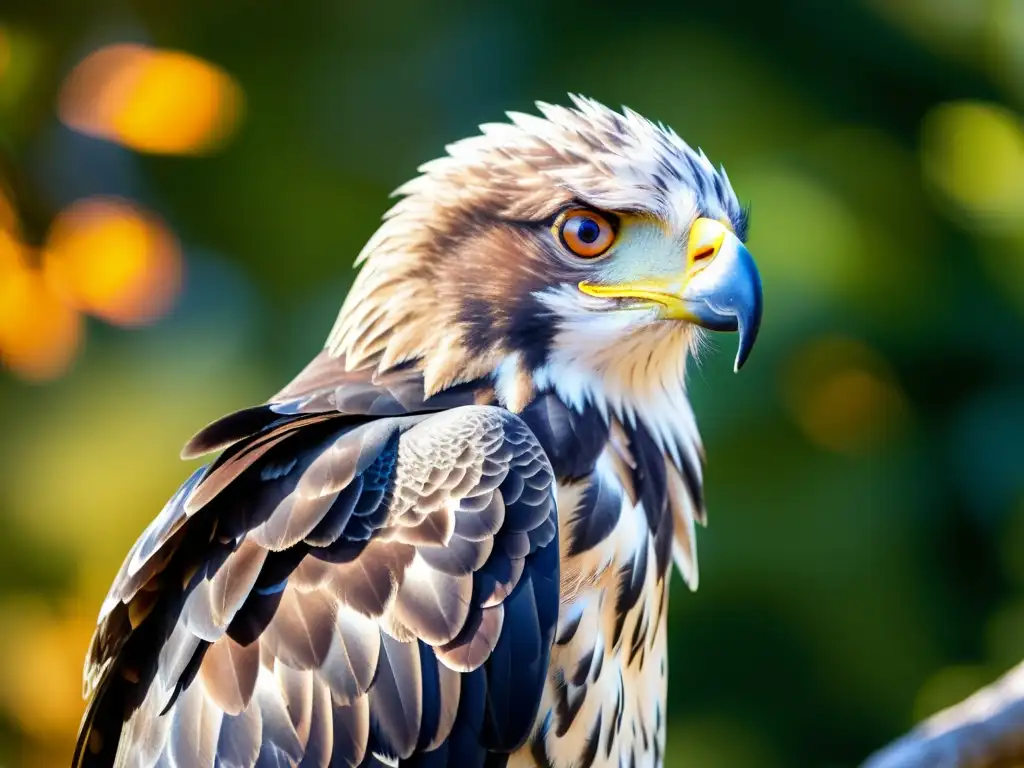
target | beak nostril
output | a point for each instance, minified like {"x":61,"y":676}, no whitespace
{"x":704,"y":253}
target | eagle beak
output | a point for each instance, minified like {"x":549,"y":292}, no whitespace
{"x":720,"y":289}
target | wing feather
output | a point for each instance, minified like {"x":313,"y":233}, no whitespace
{"x":334,"y":588}
{"x":228,"y":673}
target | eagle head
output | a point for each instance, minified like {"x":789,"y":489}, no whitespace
{"x":584,"y":250}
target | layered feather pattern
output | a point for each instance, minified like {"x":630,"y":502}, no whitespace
{"x":336,"y":589}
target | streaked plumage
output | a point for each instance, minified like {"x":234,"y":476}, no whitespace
{"x":448,"y":541}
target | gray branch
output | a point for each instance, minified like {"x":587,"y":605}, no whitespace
{"x":985,"y":730}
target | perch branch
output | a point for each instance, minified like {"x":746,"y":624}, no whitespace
{"x":985,"y":730}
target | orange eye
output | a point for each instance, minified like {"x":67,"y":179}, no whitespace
{"x":585,"y":233}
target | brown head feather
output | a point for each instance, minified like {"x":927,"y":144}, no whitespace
{"x":451,"y":278}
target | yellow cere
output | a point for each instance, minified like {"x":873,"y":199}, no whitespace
{"x":706,"y":236}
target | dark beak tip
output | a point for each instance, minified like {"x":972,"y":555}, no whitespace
{"x":748,"y":332}
{"x":741,"y":358}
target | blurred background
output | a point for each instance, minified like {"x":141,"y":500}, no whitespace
{"x":184,"y":185}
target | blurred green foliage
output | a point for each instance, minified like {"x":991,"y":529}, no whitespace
{"x":863,"y":564}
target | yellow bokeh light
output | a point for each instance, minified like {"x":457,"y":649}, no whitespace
{"x":151,"y":100}
{"x":11,"y":254}
{"x":39,"y":332}
{"x":973,"y":153}
{"x":842,"y":395}
{"x":41,"y":666}
{"x":112,"y":260}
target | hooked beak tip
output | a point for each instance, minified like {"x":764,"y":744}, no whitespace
{"x":748,"y":335}
{"x":727,"y":296}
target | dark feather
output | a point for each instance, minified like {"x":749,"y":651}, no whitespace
{"x":271,"y":605}
{"x":596,"y":516}
{"x":351,"y":732}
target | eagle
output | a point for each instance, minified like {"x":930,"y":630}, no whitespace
{"x":449,"y":540}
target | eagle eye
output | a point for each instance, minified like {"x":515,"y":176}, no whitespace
{"x":586,"y":234}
